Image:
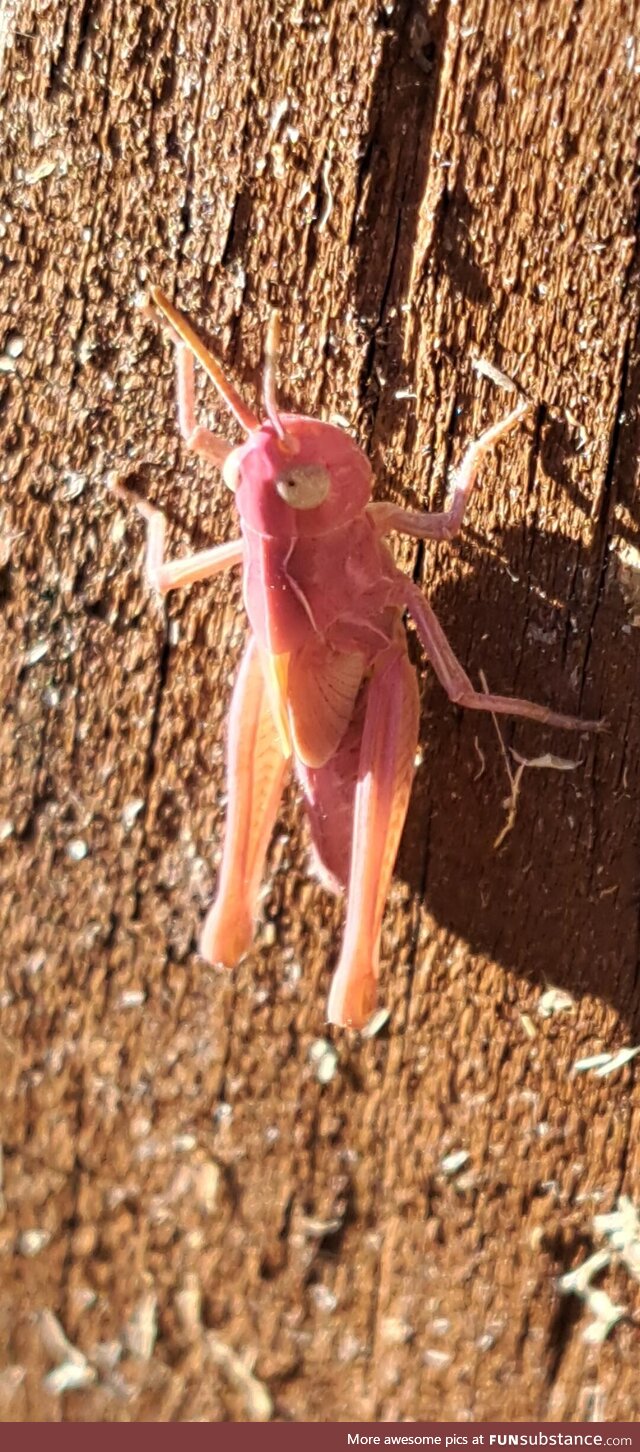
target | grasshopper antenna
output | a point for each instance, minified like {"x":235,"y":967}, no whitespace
{"x":188,"y":335}
{"x":272,"y":348}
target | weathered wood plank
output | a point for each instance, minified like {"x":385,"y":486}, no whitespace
{"x":417,"y":187}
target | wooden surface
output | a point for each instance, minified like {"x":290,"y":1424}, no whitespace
{"x":417,"y":187}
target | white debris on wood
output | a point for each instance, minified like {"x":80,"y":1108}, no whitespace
{"x":617,"y":1061}
{"x":142,"y":1327}
{"x":554,"y":1000}
{"x":349,"y":1347}
{"x":55,"y":1342}
{"x":486,"y":1341}
{"x":207,"y":1185}
{"x":36,"y":653}
{"x":316,"y":1229}
{"x":222,"y":1114}
{"x":453,"y":1162}
{"x":436,"y":1358}
{"x":131,"y":811}
{"x":396,"y":1331}
{"x":592,"y":1061}
{"x":279,"y":112}
{"x":39,"y":172}
{"x":77,"y":849}
{"x":548,"y":762}
{"x":118,"y":529}
{"x":31,"y":1242}
{"x":606,"y":1315}
{"x":622,"y":1229}
{"x":605,"y":1064}
{"x":254,"y":1393}
{"x":578,"y":1281}
{"x":69,"y":1377}
{"x":485,"y":369}
{"x":188,"y":1304}
{"x":621,"y":1225}
{"x":182,"y":1143}
{"x":324,"y":1058}
{"x":132,"y":998}
{"x":74,"y":484}
{"x":72,"y":1371}
{"x":324,"y":1298}
{"x":14,"y":346}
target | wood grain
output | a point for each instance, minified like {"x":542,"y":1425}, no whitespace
{"x":418,"y":186}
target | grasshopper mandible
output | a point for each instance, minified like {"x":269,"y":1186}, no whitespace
{"x":325,"y":684}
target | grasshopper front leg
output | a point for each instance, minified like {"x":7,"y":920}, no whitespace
{"x":445,"y":524}
{"x":198,"y":439}
{"x":256,"y":768}
{"x":385,"y":774}
{"x":164,"y":575}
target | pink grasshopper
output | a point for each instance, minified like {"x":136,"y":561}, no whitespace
{"x":325,"y":683}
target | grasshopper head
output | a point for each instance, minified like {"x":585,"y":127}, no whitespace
{"x":296,"y":476}
{"x":308,"y":481}
{"x":293,"y":476}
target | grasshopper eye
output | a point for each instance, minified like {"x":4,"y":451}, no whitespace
{"x":304,"y":488}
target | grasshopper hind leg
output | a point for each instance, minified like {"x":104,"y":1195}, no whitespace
{"x":385,"y":775}
{"x":257,"y":768}
{"x":329,"y":798}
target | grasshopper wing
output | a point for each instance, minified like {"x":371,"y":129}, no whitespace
{"x":322,"y":689}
